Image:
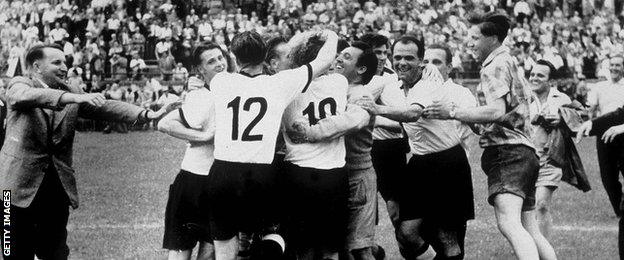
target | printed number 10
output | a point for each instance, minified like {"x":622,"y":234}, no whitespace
{"x":310,"y":110}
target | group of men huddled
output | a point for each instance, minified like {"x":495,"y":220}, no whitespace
{"x":292,"y":149}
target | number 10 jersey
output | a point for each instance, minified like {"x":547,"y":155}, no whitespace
{"x":326,"y":96}
{"x":248,"y":112}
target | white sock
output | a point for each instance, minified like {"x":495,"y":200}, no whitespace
{"x":427,"y":255}
{"x":278,"y":239}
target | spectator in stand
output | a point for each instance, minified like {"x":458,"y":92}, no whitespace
{"x":166,"y":64}
{"x":137,"y":66}
{"x":119,"y":66}
{"x":180,"y":73}
{"x":75,"y":80}
{"x":163,"y":46}
{"x":58,"y":34}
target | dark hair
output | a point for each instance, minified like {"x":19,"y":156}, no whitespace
{"x":36,"y":52}
{"x":492,"y":24}
{"x":272,"y":47}
{"x":445,"y":48}
{"x":196,"y":57}
{"x":342,"y":44}
{"x":375,"y":40}
{"x":407,"y":39}
{"x":249,"y":48}
{"x":553,"y":71}
{"x":367,"y":59}
{"x":306,"y":52}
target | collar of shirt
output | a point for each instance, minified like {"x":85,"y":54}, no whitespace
{"x":552,"y":95}
{"x":43,"y":83}
{"x":498,"y":51}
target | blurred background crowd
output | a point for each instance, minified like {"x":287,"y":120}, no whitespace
{"x":138,"y":50}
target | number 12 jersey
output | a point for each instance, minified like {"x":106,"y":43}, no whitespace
{"x":248,"y":112}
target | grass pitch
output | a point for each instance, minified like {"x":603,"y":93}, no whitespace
{"x":123,"y":180}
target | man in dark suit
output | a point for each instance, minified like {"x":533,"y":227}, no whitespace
{"x":609,"y":128}
{"x":36,"y":159}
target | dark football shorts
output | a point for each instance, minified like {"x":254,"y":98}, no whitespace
{"x":316,"y":200}
{"x":511,"y":169}
{"x":186,"y":216}
{"x":243,"y":197}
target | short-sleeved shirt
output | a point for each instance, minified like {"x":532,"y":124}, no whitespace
{"x":607,"y":95}
{"x":249,"y":112}
{"x":500,"y":78}
{"x":428,"y":136}
{"x":326,"y":96}
{"x":197,"y":112}
{"x":554,"y":101}
{"x":391,"y":94}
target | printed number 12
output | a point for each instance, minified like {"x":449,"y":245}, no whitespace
{"x":235,"y":105}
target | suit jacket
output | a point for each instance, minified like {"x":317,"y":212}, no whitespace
{"x":40,"y":134}
{"x":604,"y":122}
{"x":562,"y":150}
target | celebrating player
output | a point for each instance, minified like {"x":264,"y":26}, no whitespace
{"x":248,"y":109}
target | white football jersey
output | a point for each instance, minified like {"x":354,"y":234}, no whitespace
{"x":387,"y":88}
{"x":248,"y":112}
{"x":197,"y":112}
{"x":428,"y":136}
{"x":326,"y":96}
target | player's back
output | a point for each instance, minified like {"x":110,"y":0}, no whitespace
{"x":326,"y":96}
{"x":248,"y":111}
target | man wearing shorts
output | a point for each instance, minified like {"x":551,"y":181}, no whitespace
{"x":389,"y":146}
{"x":435,"y":195}
{"x":545,"y":118}
{"x":248,"y":109}
{"x":314,"y":178}
{"x":358,"y":64}
{"x":186,"y":217}
{"x":509,"y":159}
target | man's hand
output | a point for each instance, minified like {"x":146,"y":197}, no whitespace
{"x":611,"y":133}
{"x":165,"y":110}
{"x":439,"y":110}
{"x":368,"y":104}
{"x":583,"y":131}
{"x":297,"y":132}
{"x":94,"y":99}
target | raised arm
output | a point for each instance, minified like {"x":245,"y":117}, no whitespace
{"x":326,"y":54}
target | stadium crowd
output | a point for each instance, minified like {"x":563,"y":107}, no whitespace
{"x":395,"y":87}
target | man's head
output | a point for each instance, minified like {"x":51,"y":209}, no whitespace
{"x":357,"y":63}
{"x":407,"y":52}
{"x":440,"y":56}
{"x":541,"y":76}
{"x":277,"y":54}
{"x":379,"y":43}
{"x":616,"y":67}
{"x":47,"y":62}
{"x":487,"y":33}
{"x":249,"y":48}
{"x":208,"y":60}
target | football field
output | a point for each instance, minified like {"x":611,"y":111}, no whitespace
{"x":123,"y":180}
